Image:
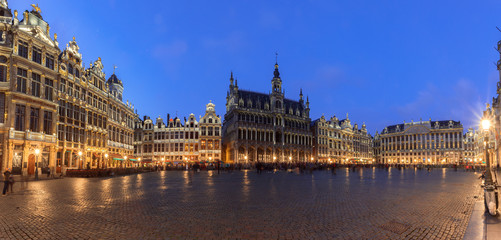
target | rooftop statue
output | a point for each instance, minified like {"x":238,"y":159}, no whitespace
{"x":36,"y":8}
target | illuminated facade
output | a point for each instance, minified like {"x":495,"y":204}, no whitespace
{"x":50,"y":103}
{"x":210,"y":135}
{"x":429,"y":142}
{"x":338,"y":141}
{"x":28,"y":98}
{"x":469,"y":155}
{"x":179,"y":141}
{"x":265,"y":127}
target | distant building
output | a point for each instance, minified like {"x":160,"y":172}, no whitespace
{"x":210,"y":135}
{"x":430,"y":142}
{"x":340,"y":142}
{"x":265,"y":127}
{"x":469,"y":155}
{"x":178,"y":142}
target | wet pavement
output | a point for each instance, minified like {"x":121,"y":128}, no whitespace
{"x":365,"y":204}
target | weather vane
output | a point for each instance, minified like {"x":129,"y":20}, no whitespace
{"x":36,"y":8}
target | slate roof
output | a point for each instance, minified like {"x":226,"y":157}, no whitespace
{"x":443,"y":124}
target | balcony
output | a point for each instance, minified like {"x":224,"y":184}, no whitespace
{"x":33,"y":136}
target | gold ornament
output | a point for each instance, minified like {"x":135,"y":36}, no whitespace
{"x":36,"y":8}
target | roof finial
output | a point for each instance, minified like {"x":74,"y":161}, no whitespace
{"x":114,"y":68}
{"x":73,"y":38}
{"x":276,"y":58}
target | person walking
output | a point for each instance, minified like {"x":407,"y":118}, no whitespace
{"x":48,"y":172}
{"x":6,"y":176}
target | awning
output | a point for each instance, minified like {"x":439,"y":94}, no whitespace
{"x":119,"y":159}
{"x":134,"y":160}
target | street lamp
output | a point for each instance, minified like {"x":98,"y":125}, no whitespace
{"x":37,"y":152}
{"x":106,"y":161}
{"x":80,"y":158}
{"x":490,"y":187}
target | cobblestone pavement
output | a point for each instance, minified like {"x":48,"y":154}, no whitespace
{"x":368,"y":204}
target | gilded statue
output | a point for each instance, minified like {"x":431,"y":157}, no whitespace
{"x":36,"y":8}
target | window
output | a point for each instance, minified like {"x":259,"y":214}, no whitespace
{"x":77,"y":73}
{"x":36,"y":55}
{"x":3,"y":73}
{"x":35,"y":85}
{"x":34,"y":118}
{"x":22,"y":76}
{"x":20,"y":114}
{"x":70,"y":88}
{"x":49,"y":61}
{"x":47,"y":122}
{"x":77,"y":91}
{"x":23,"y":49}
{"x":70,"y":69}
{"x":62,"y":86}
{"x":49,"y":87}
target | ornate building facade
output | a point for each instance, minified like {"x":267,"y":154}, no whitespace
{"x":53,"y":112}
{"x":210,"y":135}
{"x":340,"y":142}
{"x":265,"y":127}
{"x":179,"y":141}
{"x":469,"y":155}
{"x":423,"y":142}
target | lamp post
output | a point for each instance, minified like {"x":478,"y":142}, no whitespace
{"x":106,"y":160}
{"x":37,"y":152}
{"x":80,"y":159}
{"x":490,"y":187}
{"x":125,"y":160}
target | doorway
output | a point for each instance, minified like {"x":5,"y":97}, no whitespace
{"x":31,"y":164}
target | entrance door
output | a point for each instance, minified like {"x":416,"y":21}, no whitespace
{"x":31,"y":164}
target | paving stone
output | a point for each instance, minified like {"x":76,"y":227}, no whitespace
{"x":367,"y":204}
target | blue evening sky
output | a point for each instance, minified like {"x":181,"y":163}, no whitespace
{"x":382,"y":62}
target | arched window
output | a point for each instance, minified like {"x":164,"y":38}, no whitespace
{"x":278,"y":104}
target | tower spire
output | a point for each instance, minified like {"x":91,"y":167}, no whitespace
{"x":231,"y":79}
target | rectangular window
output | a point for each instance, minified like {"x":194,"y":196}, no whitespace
{"x":47,"y":122}
{"x":49,"y":88}
{"x":22,"y":76}
{"x":49,"y":61}
{"x":20,"y":115}
{"x":70,"y":69}
{"x":35,"y":85}
{"x":70,"y":89}
{"x":34,"y":118}
{"x":3,"y":73}
{"x":36,"y":55}
{"x":77,"y":92}
{"x":23,"y":49}
{"x":62,"y":86}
